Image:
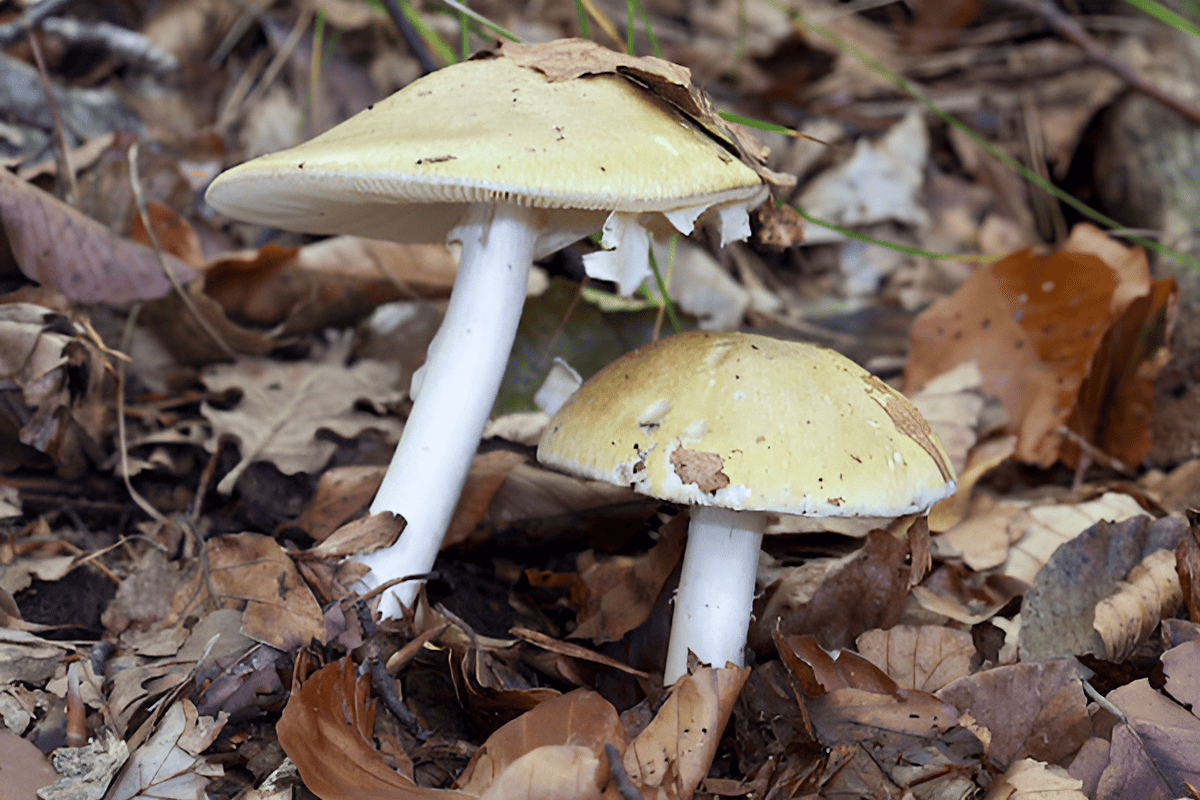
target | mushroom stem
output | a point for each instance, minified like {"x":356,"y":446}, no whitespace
{"x":716,"y":589}
{"x":462,"y":374}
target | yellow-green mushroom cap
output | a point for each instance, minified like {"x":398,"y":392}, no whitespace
{"x":490,"y":131}
{"x":749,"y":422}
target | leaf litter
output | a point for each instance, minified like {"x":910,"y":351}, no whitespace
{"x":1049,"y":642}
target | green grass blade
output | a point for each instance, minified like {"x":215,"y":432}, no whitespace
{"x":436,"y":43}
{"x":499,"y":30}
{"x":641,"y":12}
{"x":900,"y":248}
{"x":581,"y":13}
{"x":662,"y":289}
{"x":1166,"y":16}
{"x":1008,"y":161}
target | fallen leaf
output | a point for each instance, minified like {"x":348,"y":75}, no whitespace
{"x":169,"y":764}
{"x":673,"y":753}
{"x":1031,"y":710}
{"x":1028,"y":778}
{"x":326,"y":730}
{"x":285,"y":404}
{"x":925,"y":657}
{"x":1059,"y":610}
{"x":280,"y":610}
{"x":1153,"y":750}
{"x":1038,"y":326}
{"x":61,"y":248}
{"x":1147,"y":596}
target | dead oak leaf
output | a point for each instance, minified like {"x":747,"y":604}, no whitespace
{"x":284,"y":405}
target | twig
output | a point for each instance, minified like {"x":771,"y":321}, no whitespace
{"x":1093,"y":452}
{"x":1071,"y":30}
{"x":140,"y":201}
{"x":122,"y":441}
{"x":413,"y":39}
{"x":620,"y":777}
{"x":130,"y":45}
{"x":12,"y":31}
{"x":387,"y":690}
{"x":62,"y":153}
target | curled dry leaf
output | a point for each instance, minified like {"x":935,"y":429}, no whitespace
{"x":925,"y":657}
{"x":622,"y":591}
{"x":60,"y":390}
{"x":326,"y":730}
{"x":1039,"y":328}
{"x":1058,"y":615}
{"x":76,"y":256}
{"x":835,"y":599}
{"x":1128,"y":616}
{"x":670,"y":757}
{"x":568,"y":731}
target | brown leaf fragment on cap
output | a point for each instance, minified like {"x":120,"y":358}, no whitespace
{"x":571,"y":59}
{"x":909,"y":422}
{"x":700,"y":468}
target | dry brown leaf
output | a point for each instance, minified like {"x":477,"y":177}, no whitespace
{"x":1153,"y":752}
{"x":169,"y":763}
{"x":341,"y":493}
{"x":670,"y":757}
{"x":58,"y":391}
{"x":78,"y":257}
{"x":1027,"y":778}
{"x":326,"y":730}
{"x":486,"y":475}
{"x":285,"y":404}
{"x":280,"y":609}
{"x":174,"y":234}
{"x":1058,"y":615}
{"x":835,"y":599}
{"x":854,"y":715}
{"x":1021,"y":538}
{"x":1187,"y":565}
{"x":1181,"y":666}
{"x":331,"y":283}
{"x":570,"y":59}
{"x":622,"y":590}
{"x":363,"y":535}
{"x":581,"y":719}
{"x":1128,"y":616}
{"x":925,"y":657}
{"x":1031,"y":710}
{"x":1038,"y":326}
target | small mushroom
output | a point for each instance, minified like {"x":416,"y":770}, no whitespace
{"x":513,"y":166}
{"x":736,"y":425}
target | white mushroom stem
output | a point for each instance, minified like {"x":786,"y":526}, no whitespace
{"x":462,"y":374}
{"x":716,"y":589}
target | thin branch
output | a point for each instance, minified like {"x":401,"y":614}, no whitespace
{"x":19,"y":27}
{"x":1073,"y":32}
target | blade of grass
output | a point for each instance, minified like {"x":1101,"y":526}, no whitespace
{"x":1008,"y":161}
{"x":431,"y":38}
{"x":464,"y":35}
{"x":634,"y":8}
{"x":662,"y":287}
{"x":581,"y":14}
{"x":900,"y":248}
{"x":482,"y":20}
{"x":1166,"y":16}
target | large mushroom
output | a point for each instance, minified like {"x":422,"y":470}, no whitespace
{"x":512,"y":165}
{"x":735,"y":425}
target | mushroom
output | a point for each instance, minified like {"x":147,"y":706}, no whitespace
{"x":511,"y":165}
{"x":737,"y":425}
